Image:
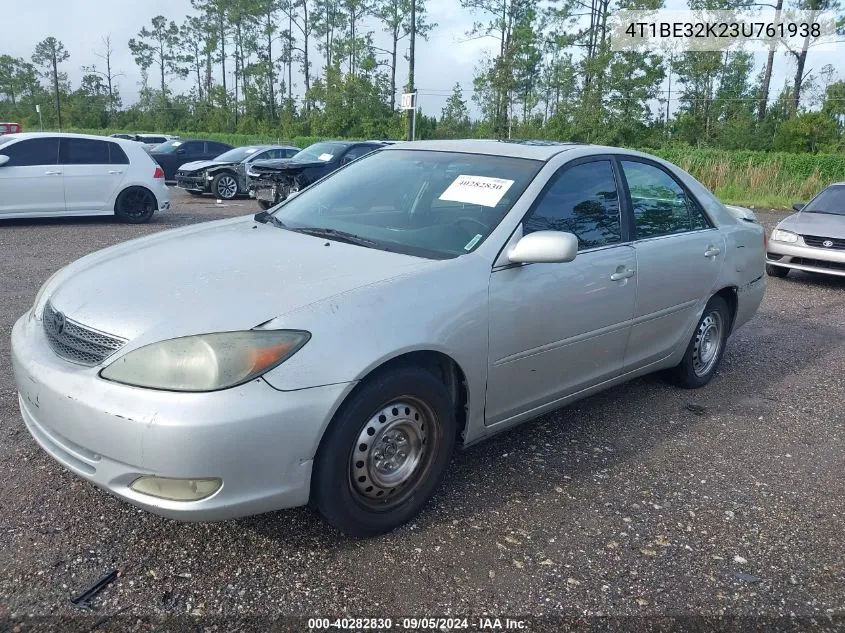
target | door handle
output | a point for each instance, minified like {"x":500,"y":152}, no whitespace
{"x":53,"y":173}
{"x":712,"y":251}
{"x":622,"y":273}
{"x":115,"y":171}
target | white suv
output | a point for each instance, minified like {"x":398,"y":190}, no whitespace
{"x":76,"y":174}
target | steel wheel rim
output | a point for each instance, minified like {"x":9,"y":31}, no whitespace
{"x":227,"y":187}
{"x":136,"y":203}
{"x":708,"y":343}
{"x":392,"y":453}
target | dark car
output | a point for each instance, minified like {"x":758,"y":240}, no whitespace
{"x":175,"y":153}
{"x":225,"y":176}
{"x":272,"y":181}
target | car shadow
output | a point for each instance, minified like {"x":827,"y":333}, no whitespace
{"x":588,"y":438}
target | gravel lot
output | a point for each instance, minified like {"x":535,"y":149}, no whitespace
{"x":625,"y":503}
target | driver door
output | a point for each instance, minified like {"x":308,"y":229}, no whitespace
{"x":557,"y":329}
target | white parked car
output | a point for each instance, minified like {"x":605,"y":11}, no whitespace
{"x":54,"y":174}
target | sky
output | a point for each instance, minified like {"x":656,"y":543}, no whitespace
{"x":448,"y":57}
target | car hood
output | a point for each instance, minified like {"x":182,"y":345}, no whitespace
{"x":198,"y":165}
{"x":820,"y":224}
{"x":228,"y":275}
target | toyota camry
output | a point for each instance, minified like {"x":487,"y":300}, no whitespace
{"x":336,"y":348}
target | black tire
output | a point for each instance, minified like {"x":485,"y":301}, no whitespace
{"x":776,"y":271}
{"x":264,"y":204}
{"x":357,"y":485}
{"x":225,"y":185}
{"x":135,"y":205}
{"x":700,"y":360}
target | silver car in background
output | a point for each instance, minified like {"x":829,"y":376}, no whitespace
{"x":813,"y":238}
{"x":336,"y":348}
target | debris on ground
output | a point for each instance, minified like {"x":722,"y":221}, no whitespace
{"x":83,"y":600}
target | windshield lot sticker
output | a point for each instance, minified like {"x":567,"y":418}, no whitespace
{"x":477,"y":190}
{"x":325,"y":157}
{"x":471,"y":244}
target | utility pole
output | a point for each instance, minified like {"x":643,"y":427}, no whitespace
{"x":412,"y":121}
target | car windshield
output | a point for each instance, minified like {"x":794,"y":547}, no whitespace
{"x":169,"y":147}
{"x":431,"y":204}
{"x":831,"y":200}
{"x":237,"y":155}
{"x":320,"y":151}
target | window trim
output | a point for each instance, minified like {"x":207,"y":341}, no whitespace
{"x":619,"y":158}
{"x":624,"y":229}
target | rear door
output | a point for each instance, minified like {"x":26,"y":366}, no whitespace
{"x":91,"y":180}
{"x":32,"y":183}
{"x":679,"y":255}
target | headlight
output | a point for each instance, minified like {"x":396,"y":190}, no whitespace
{"x":206,"y":362}
{"x":779,"y":235}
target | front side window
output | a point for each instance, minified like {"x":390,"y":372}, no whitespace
{"x":426,"y":203}
{"x":660,"y":204}
{"x":36,"y":151}
{"x":83,"y":151}
{"x":357,"y":152}
{"x":582,"y":200}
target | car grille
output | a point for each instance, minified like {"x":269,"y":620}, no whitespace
{"x":818,"y":263}
{"x":815,"y":240}
{"x":76,"y":342}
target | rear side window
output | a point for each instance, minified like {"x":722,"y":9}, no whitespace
{"x":216,"y":148}
{"x":116,"y":155}
{"x":36,"y":151}
{"x":582,"y":200}
{"x":661,"y":206}
{"x":83,"y":151}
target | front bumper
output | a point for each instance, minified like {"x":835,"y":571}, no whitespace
{"x":810,"y":258}
{"x":259,"y":441}
{"x":192,"y":183}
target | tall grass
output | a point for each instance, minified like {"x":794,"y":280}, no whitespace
{"x":760,"y":179}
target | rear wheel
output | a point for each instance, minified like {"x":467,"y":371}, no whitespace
{"x":385,"y":453}
{"x":264,"y":204}
{"x":776,"y":271}
{"x":135,"y":205}
{"x":225,"y":186}
{"x":705,"y":349}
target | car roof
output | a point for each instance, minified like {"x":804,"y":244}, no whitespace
{"x":94,"y":137}
{"x":537,"y":150}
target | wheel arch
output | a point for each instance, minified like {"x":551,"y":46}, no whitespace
{"x":443,"y":366}
{"x":729,"y":294}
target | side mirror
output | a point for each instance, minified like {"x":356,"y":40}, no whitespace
{"x":180,"y":151}
{"x":544,"y":247}
{"x":3,"y":159}
{"x":798,"y":206}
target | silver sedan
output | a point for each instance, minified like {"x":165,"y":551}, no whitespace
{"x":813,"y":238}
{"x":338,"y":347}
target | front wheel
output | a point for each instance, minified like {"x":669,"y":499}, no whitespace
{"x":385,"y":453}
{"x":225,"y":186}
{"x":705,"y":349}
{"x":135,"y":205}
{"x":776,"y":271}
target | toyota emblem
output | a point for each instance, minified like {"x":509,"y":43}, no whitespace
{"x":827,"y":243}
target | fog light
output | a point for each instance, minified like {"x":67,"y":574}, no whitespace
{"x":176,"y":489}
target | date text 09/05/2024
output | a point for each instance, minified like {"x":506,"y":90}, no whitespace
{"x":423,"y":623}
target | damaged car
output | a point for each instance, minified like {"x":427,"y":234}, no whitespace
{"x":272,"y":181}
{"x":226,"y":175}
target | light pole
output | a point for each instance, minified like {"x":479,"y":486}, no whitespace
{"x":40,"y":119}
